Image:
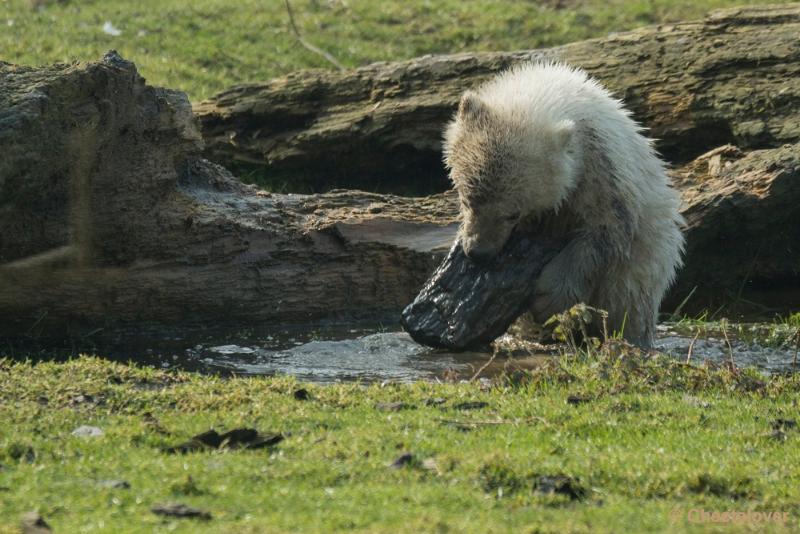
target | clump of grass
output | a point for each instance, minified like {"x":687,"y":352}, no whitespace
{"x":721,"y":486}
{"x":499,"y":478}
{"x":186,"y":487}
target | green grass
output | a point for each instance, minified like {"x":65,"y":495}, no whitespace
{"x":207,"y":45}
{"x":645,"y":439}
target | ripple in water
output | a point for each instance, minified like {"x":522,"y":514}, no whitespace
{"x":767,"y":359}
{"x":387,"y":356}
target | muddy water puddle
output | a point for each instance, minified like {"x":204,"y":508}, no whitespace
{"x":770,"y":355}
{"x":376,"y":353}
{"x":328,"y":355}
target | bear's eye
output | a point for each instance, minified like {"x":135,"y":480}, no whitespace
{"x":514,"y":217}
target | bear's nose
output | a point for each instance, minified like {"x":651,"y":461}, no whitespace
{"x":478,"y":254}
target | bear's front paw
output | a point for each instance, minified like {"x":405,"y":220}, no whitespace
{"x":551,"y":295}
{"x":548,"y":303}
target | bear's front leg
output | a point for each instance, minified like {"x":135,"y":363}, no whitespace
{"x":569,"y":278}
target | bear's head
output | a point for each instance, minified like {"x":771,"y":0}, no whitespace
{"x":506,"y":167}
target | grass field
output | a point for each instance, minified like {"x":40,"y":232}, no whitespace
{"x":633,"y":445}
{"x":206,"y":45}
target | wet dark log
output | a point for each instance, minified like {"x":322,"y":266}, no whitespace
{"x":733,"y":77}
{"x":468,"y":305}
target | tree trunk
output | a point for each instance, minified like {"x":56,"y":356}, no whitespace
{"x":110,"y":215}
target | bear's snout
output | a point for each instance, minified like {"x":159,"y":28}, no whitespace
{"x":477,"y":251}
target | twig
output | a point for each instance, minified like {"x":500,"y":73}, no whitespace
{"x":728,"y":342}
{"x":762,"y":307}
{"x":305,"y":43}
{"x":679,"y":309}
{"x":484,"y":366}
{"x":474,"y":423}
{"x":495,"y":422}
{"x":721,"y":307}
{"x":747,"y":274}
{"x":691,"y":346}
{"x":796,"y":348}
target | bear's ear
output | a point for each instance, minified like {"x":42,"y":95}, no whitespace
{"x":471,"y":108}
{"x":563,"y":132}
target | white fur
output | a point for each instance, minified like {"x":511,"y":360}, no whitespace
{"x":542,"y":139}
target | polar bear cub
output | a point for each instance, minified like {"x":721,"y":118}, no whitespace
{"x":546,"y":149}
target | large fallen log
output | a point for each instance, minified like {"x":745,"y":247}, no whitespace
{"x":733,"y":77}
{"x":110,"y":216}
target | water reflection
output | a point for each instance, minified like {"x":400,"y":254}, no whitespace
{"x":716,"y":350}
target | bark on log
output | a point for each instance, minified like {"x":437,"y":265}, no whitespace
{"x":731,"y":78}
{"x":111,"y":216}
{"x":743,"y":229}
